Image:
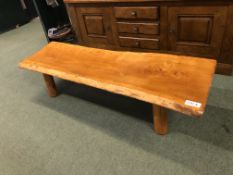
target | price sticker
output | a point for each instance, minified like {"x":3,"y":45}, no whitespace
{"x":192,"y":103}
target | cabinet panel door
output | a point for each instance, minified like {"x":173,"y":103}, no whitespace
{"x":95,"y":25}
{"x":227,"y":49}
{"x":197,"y":30}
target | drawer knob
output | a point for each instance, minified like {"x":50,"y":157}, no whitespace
{"x":172,"y":31}
{"x":136,"y":29}
{"x":133,"y":13}
{"x":137,"y":43}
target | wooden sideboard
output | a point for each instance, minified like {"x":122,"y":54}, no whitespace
{"x":189,"y":27}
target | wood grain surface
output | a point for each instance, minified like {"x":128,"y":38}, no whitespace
{"x":50,"y":84}
{"x":201,"y":28}
{"x":160,"y":120}
{"x":106,"y":1}
{"x":161,"y":79}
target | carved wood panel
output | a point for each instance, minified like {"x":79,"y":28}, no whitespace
{"x":95,"y":24}
{"x":197,"y":30}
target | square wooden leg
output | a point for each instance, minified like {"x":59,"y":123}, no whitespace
{"x":160,"y":120}
{"x":50,"y":84}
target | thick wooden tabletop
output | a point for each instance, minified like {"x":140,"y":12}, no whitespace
{"x":180,"y":83}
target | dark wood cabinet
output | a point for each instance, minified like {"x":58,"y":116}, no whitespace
{"x":198,"y":28}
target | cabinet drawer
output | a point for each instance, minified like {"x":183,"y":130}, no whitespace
{"x":137,"y":12}
{"x":138,"y":28}
{"x":142,"y":43}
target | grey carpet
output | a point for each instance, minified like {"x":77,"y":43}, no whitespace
{"x":86,"y":131}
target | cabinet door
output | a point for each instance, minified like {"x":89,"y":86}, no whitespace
{"x":227,"y":50}
{"x":95,"y":25}
{"x":197,"y":30}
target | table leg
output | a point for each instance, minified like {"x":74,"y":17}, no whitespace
{"x":50,"y":84}
{"x":160,"y":120}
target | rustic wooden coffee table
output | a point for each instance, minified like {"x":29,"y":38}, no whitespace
{"x":179,"y":83}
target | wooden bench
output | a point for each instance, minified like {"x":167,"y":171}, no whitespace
{"x":179,"y":83}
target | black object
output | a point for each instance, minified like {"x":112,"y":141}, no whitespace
{"x":52,"y":17}
{"x":31,"y":10}
{"x":13,"y":13}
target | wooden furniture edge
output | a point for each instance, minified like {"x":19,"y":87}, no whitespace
{"x":226,"y":69}
{"x":141,"y":1}
{"x":156,"y":100}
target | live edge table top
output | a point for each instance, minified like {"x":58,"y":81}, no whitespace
{"x":180,"y":83}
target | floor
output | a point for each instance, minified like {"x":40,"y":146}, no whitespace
{"x":86,"y":131}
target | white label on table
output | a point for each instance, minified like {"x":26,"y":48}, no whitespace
{"x":192,"y":103}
